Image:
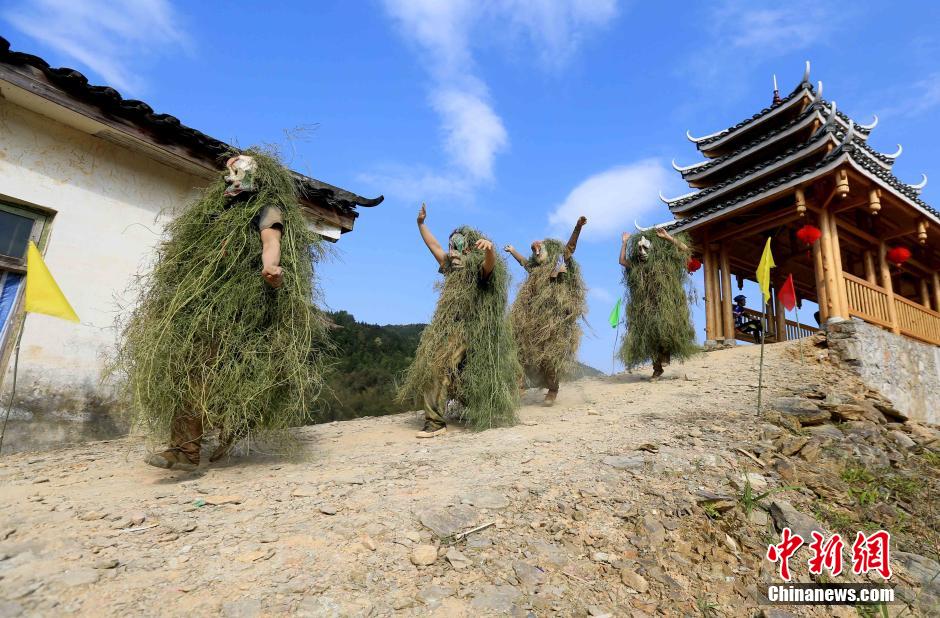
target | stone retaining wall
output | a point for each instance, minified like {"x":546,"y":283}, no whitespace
{"x":904,"y":370}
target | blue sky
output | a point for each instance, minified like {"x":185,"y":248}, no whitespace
{"x":514,"y":116}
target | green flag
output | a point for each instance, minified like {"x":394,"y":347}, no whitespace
{"x":615,"y":315}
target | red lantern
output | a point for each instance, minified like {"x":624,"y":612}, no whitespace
{"x":693,"y":265}
{"x":898,"y":255}
{"x":808,"y":234}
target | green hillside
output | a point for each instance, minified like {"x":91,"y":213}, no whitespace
{"x":369,"y":361}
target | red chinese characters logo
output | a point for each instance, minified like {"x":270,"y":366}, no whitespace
{"x":869,"y":553}
{"x":828,"y":554}
{"x":872,"y":554}
{"x":782,"y":552}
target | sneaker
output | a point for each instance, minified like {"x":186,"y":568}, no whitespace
{"x":430,"y":432}
{"x":171,"y":459}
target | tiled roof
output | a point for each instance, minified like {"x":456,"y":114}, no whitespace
{"x":747,"y":121}
{"x":849,"y":150}
{"x":164,"y":128}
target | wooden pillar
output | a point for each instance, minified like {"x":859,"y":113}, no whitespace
{"x":834,"y":300}
{"x":716,"y":295}
{"x":709,"y":299}
{"x":837,"y":262}
{"x":888,"y":286}
{"x":924,"y":293}
{"x":821,"y":297}
{"x":780,"y":314}
{"x":870,"y":268}
{"x":936,"y":291}
{"x":727,"y":313}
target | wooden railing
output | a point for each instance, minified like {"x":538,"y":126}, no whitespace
{"x":917,"y":321}
{"x":867,"y":301}
{"x":870,"y":302}
{"x":794,"y":330}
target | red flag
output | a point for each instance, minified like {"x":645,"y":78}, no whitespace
{"x":787,"y":294}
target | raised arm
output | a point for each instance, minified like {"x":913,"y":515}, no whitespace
{"x":489,"y":258}
{"x":623,"y":250}
{"x":435,"y":247}
{"x":573,"y":241}
{"x":666,"y":236}
{"x":512,"y":251}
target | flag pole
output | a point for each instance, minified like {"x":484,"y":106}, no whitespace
{"x":16,"y":364}
{"x":799,"y":331}
{"x":613,"y":354}
{"x":760,"y":371}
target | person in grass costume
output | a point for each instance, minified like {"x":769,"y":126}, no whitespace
{"x":547,"y":308}
{"x":225,"y":335}
{"x":467,"y":353}
{"x":659,"y":326}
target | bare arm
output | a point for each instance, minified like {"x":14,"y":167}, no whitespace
{"x":512,"y":251}
{"x":271,"y":257}
{"x":623,"y":250}
{"x":666,"y":236}
{"x":489,"y":258}
{"x":435,"y":247}
{"x":573,"y":241}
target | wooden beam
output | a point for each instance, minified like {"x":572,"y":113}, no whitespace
{"x":764,"y":223}
{"x":925,"y":294}
{"x":888,"y":286}
{"x":727,"y":312}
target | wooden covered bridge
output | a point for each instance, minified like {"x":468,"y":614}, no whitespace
{"x":857,"y":240}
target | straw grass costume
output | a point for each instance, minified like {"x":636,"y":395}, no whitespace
{"x":659,"y":325}
{"x":467,"y":353}
{"x":226,"y":335}
{"x":547,"y":309}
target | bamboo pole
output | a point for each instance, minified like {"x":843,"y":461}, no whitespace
{"x":709,"y":299}
{"x":727,"y":311}
{"x":822,"y":298}
{"x":888,"y":286}
{"x":870,"y":268}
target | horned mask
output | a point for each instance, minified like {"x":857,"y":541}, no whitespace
{"x":241,"y":175}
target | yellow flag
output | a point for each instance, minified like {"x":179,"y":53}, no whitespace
{"x":42,"y":292}
{"x":763,"y":271}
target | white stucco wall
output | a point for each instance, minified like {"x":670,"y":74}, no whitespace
{"x":111,"y":204}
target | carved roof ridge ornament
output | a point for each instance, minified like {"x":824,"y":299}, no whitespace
{"x":920,"y":186}
{"x":896,"y":154}
{"x":806,"y":74}
{"x":696,"y":140}
{"x":668,"y":201}
{"x":819,"y":90}
{"x":658,"y":225}
{"x":685,"y":168}
{"x":869,"y":127}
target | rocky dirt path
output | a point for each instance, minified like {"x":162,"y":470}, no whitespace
{"x":595,"y":505}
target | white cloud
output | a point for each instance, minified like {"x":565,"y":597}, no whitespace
{"x":600,"y":294}
{"x":103,"y":36}
{"x":612,"y":199}
{"x":473,"y":131}
{"x":920,"y":97}
{"x":445,"y":33}
{"x":745,"y":33}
